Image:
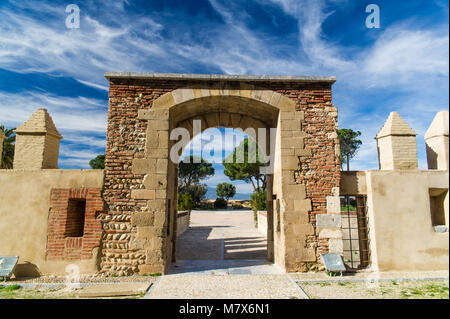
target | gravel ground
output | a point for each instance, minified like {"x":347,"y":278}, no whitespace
{"x":429,"y":289}
{"x":225,"y":287}
{"x":97,"y":278}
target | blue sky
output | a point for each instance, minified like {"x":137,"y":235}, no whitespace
{"x":402,"y":66}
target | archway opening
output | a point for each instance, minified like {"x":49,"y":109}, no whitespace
{"x":229,"y":234}
{"x":221,"y":217}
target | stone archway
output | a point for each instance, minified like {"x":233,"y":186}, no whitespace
{"x":140,"y":178}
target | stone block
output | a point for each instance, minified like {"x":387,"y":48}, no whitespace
{"x":155,"y":181}
{"x":300,"y":115}
{"x":158,"y":125}
{"x":163,"y":139}
{"x":303,"y":152}
{"x":161,"y":194}
{"x":153,"y":114}
{"x":295,"y":142}
{"x":143,"y":193}
{"x":182,"y":95}
{"x":290,"y":163}
{"x":287,"y":115}
{"x":306,"y":255}
{"x":303,"y":229}
{"x":161,"y":166}
{"x":142,"y":219}
{"x":152,"y":152}
{"x":292,"y":217}
{"x":286,"y":104}
{"x":163,"y":102}
{"x":297,"y":191}
{"x":151,"y":269}
{"x":160,"y":218}
{"x":302,"y":205}
{"x":333,"y":205}
{"x":328,"y":221}
{"x":290,"y":125}
{"x":335,"y":246}
{"x":143,"y":166}
{"x":157,"y":205}
{"x":330,"y":233}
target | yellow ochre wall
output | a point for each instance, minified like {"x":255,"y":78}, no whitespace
{"x":400,"y":229}
{"x":24,"y":208}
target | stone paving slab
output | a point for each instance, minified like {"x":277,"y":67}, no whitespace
{"x":225,"y":287}
{"x":112,"y":290}
{"x":224,"y":267}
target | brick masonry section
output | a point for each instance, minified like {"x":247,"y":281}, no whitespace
{"x":124,"y":188}
{"x":65,"y":221}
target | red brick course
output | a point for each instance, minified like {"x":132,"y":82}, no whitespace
{"x":59,"y":245}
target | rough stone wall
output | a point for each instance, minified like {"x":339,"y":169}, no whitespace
{"x":127,"y":198}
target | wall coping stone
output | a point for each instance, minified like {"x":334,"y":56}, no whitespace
{"x":222,"y":77}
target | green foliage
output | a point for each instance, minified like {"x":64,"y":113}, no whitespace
{"x":244,"y":164}
{"x":220,"y":203}
{"x":225,"y":190}
{"x":258,"y":200}
{"x":197,"y":192}
{"x":7,"y":156}
{"x":155,"y":274}
{"x":98,"y":162}
{"x":185,"y":202}
{"x":10,"y":287}
{"x":192,"y":169}
{"x":349,"y":145}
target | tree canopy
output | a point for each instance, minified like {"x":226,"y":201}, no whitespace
{"x":192,"y":170}
{"x":244,"y":164}
{"x":349,"y":145}
{"x":225,"y":190}
{"x":98,"y":162}
{"x":7,"y":156}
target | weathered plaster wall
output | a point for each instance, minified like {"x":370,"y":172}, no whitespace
{"x":183,"y":219}
{"x":262,"y":222}
{"x":400,"y":228}
{"x":24,"y":212}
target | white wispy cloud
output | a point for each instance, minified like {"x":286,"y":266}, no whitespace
{"x":404,"y":60}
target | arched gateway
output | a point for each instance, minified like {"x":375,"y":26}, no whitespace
{"x":140,"y":186}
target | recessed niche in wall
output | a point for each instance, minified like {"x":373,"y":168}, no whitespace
{"x":76,"y":212}
{"x":437,"y":208}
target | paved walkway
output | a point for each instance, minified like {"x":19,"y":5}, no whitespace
{"x":222,"y":255}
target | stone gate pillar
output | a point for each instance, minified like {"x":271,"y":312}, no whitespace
{"x":153,"y":222}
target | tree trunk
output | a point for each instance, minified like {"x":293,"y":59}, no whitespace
{"x":348,"y":162}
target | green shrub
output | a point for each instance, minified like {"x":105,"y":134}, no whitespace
{"x":220,"y":203}
{"x":258,"y":200}
{"x":185,"y":202}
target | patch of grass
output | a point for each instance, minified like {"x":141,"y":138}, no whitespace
{"x":113,"y":276}
{"x":436,"y":290}
{"x":10,"y":287}
{"x":156,"y":274}
{"x":343,"y":283}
